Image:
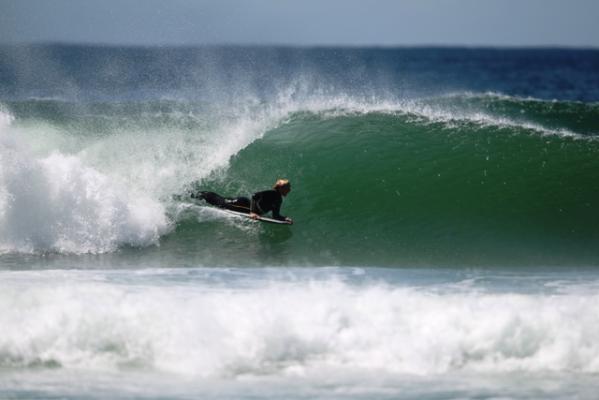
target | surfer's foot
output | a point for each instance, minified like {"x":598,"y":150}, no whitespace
{"x":198,"y":195}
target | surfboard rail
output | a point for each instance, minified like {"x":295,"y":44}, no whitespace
{"x":260,"y":218}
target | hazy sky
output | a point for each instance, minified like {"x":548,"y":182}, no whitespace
{"x":303,"y":22}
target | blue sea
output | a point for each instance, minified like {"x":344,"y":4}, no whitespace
{"x":445,"y":238}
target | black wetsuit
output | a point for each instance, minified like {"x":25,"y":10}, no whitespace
{"x":261,"y":202}
{"x":268,"y":200}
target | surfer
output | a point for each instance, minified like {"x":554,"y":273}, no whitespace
{"x":259,"y":204}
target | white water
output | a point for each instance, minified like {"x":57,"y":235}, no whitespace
{"x":67,"y":193}
{"x":231,"y":323}
{"x":55,"y":202}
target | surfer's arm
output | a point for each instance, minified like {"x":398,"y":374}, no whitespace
{"x":263,"y":202}
{"x":280,"y":217}
{"x":254,"y":207}
{"x":276,"y":212}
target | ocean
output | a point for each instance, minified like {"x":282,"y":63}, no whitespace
{"x":445,"y":238}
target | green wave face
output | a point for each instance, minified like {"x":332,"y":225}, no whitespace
{"x":470,"y":179}
{"x":391,"y":189}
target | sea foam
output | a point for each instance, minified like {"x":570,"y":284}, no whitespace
{"x":64,"y":189}
{"x":58,"y":203}
{"x":110,"y":321}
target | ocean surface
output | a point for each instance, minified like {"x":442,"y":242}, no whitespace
{"x":446,"y":235}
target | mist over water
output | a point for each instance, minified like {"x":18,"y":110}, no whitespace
{"x":444,"y":244}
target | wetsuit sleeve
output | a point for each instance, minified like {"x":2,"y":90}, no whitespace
{"x":269,"y":200}
{"x":276,"y":208}
{"x":254,"y":207}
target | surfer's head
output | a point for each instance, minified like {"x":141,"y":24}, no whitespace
{"x":282,"y":186}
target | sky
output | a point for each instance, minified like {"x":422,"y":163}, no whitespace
{"x":572,"y":23}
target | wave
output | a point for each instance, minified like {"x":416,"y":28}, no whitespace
{"x":474,"y":178}
{"x":92,"y":178}
{"x":550,"y":116}
{"x":410,"y":184}
{"x":56,"y":203}
{"x":287,"y":327}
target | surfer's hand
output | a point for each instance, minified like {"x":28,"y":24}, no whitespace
{"x":289,"y":220}
{"x":254,"y":215}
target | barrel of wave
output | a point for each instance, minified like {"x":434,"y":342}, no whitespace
{"x":388,"y":189}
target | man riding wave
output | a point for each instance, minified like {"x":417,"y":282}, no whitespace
{"x":259,"y":204}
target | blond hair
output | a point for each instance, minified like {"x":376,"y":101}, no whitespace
{"x":281,"y":183}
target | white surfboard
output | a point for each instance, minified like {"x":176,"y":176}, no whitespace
{"x":260,"y":218}
{"x":239,"y":214}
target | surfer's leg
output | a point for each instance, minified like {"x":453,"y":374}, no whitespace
{"x":211,"y":198}
{"x":241,"y":204}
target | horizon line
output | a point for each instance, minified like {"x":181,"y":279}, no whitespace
{"x":302,"y":46}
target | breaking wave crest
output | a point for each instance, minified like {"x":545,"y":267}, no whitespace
{"x":290,"y":328}
{"x":91,"y":178}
